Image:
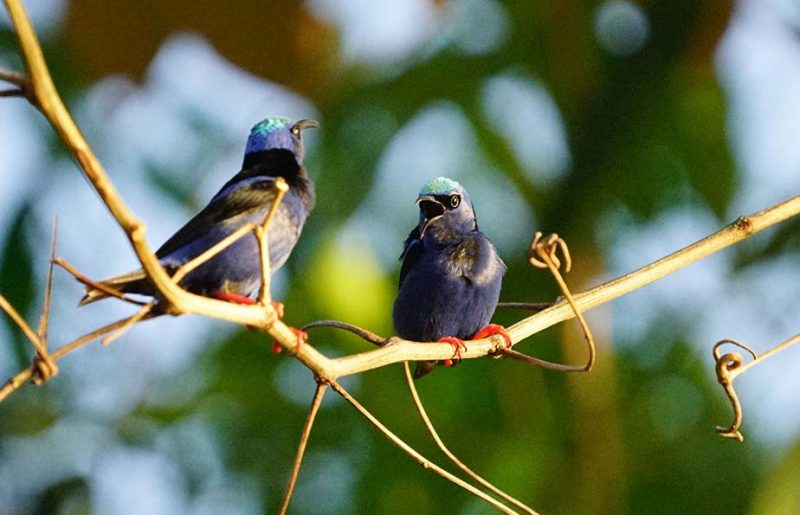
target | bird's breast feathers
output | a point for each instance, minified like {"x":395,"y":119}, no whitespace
{"x":476,"y":259}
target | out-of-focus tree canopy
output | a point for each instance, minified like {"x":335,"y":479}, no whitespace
{"x":630,"y":128}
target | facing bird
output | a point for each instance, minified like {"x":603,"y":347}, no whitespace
{"x":451,"y":273}
{"x":274,"y":149}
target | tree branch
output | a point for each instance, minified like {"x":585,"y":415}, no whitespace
{"x":446,"y":451}
{"x":301,"y":448}
{"x":419,"y":458}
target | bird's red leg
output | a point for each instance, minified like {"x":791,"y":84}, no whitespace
{"x":491,"y":330}
{"x":233,"y":297}
{"x":301,"y":338}
{"x":241,"y":299}
{"x":458,"y":346}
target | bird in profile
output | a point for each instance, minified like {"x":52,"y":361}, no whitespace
{"x":274,"y":149}
{"x":451,"y":273}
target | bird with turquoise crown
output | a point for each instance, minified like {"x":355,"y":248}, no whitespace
{"x":450,"y":276}
{"x":274,"y":149}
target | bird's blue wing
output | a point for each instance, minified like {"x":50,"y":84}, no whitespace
{"x":235,"y":198}
{"x":412,"y":248}
{"x":251,"y":188}
{"x":477,"y":260}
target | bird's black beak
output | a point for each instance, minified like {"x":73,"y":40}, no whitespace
{"x":301,"y":125}
{"x":431,"y":210}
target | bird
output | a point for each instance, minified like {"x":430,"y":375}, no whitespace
{"x":451,"y":274}
{"x":274,"y":149}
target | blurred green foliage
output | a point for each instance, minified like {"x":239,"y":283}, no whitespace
{"x":646,"y":133}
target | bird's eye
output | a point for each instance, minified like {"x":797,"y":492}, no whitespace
{"x":455,"y":200}
{"x":296,"y":130}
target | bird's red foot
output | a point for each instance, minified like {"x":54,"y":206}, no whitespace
{"x":458,"y":346}
{"x":491,"y":330}
{"x":233,"y":297}
{"x":301,"y":337}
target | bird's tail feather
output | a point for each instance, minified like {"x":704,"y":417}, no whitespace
{"x":131,"y":282}
{"x":424,"y":368}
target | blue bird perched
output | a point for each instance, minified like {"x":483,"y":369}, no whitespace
{"x":451,"y":273}
{"x":274,"y":149}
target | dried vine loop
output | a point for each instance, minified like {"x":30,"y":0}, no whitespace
{"x":544,"y":248}
{"x":728,"y":367}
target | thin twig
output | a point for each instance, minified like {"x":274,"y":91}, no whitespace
{"x":13,"y":92}
{"x":12,"y":77}
{"x":262,"y":235}
{"x":29,"y":373}
{"x":536,"y":362}
{"x":730,"y":366}
{"x":215,"y":249}
{"x":48,"y":291}
{"x":29,"y":333}
{"x":89,"y":337}
{"x":111,"y":292}
{"x":13,"y":384}
{"x":43,"y":363}
{"x":301,"y":448}
{"x":529,"y":306}
{"x":140,"y":315}
{"x":416,"y":456}
{"x":452,"y":457}
{"x":365,"y":334}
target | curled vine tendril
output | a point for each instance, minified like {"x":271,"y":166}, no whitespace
{"x":728,"y":366}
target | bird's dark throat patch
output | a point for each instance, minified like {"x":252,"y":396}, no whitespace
{"x":271,"y":163}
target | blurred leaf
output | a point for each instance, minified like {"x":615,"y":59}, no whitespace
{"x":779,"y":491}
{"x":17,"y":279}
{"x":277,"y":40}
{"x":349,"y":283}
{"x":700,"y":133}
{"x":69,"y":497}
{"x":171,"y":184}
